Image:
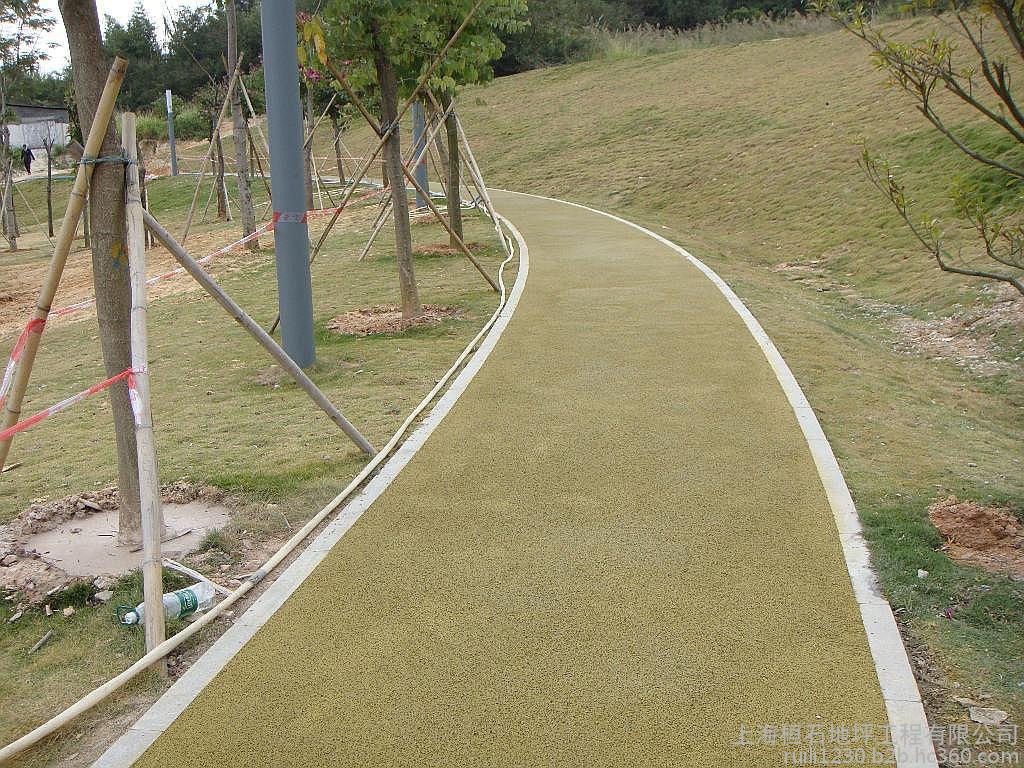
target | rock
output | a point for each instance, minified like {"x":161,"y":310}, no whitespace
{"x":105,"y":596}
{"x":15,"y":617}
{"x":9,"y":561}
{"x":68,"y":612}
{"x":965,"y":702}
{"x":102,"y":582}
{"x":922,"y":573}
{"x":988,"y":715}
{"x":48,"y":610}
{"x":79,"y":530}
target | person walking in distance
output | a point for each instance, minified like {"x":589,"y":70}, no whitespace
{"x":27,"y":157}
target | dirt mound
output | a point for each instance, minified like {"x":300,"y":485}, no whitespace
{"x":987,"y":536}
{"x":387,"y":318}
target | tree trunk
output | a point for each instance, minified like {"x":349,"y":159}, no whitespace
{"x":400,"y":201}
{"x":454,"y":173}
{"x":222,"y":192}
{"x":240,"y":132}
{"x":336,"y":125}
{"x":109,"y":259}
{"x":49,"y":188}
{"x":307,"y":153}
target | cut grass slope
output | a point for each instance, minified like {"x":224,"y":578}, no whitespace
{"x":746,"y":155}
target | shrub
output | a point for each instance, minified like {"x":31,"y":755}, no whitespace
{"x":151,"y":127}
{"x":191,"y":123}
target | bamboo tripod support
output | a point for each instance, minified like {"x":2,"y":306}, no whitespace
{"x":76,"y":202}
{"x":386,"y":207}
{"x":149,"y":478}
{"x":411,"y":177}
{"x":209,"y":153}
{"x":384,"y":135}
{"x":255,"y":121}
{"x":253,"y":328}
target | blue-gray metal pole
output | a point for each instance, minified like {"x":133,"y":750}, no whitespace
{"x":170,"y":133}
{"x":291,"y":237}
{"x":420,"y":171}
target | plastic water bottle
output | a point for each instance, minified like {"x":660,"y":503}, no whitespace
{"x":177,"y":604}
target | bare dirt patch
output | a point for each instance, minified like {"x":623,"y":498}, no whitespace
{"x":948,"y":338}
{"x":387,"y":318}
{"x":987,"y":536}
{"x":54,"y":543}
{"x":443,"y":249}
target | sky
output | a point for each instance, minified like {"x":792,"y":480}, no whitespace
{"x":120,"y":10}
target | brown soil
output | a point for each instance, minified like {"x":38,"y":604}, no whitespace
{"x":987,"y":536}
{"x":21,"y":281}
{"x":443,"y":249}
{"x":387,"y":318}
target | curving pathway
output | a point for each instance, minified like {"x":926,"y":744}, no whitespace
{"x":615,"y":550}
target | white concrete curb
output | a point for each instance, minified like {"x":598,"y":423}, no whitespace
{"x":130,"y":747}
{"x":911,"y":736}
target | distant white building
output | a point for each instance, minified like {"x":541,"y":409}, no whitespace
{"x":38,"y":124}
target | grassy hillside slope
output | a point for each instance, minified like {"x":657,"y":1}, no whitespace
{"x":746,"y":155}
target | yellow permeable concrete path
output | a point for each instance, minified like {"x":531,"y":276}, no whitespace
{"x":614,"y":551}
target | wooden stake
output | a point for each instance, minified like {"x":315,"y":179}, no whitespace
{"x":149,"y":479}
{"x":209,"y":152}
{"x":76,"y":200}
{"x":258,"y":333}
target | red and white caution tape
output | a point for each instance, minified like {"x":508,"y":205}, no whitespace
{"x":177,"y":271}
{"x":297,"y":217}
{"x":34,"y":325}
{"x":63,"y":405}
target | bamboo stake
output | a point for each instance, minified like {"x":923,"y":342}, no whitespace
{"x":454,"y":235}
{"x":316,"y":123}
{"x":386,"y":201}
{"x":209,"y":152}
{"x":478,"y":180}
{"x":32,"y":210}
{"x":383,"y":135}
{"x":255,"y":120}
{"x":76,"y":201}
{"x":354,"y":99}
{"x":424,"y":78}
{"x":442,"y":151}
{"x":382,"y":219}
{"x":149,"y":479}
{"x":256,"y":331}
{"x":259,"y":165}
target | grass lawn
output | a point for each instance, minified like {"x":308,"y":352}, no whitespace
{"x":223,"y":415}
